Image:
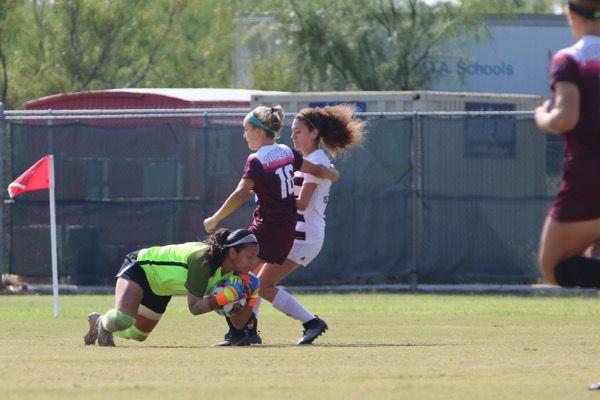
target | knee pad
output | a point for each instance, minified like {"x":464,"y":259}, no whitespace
{"x":561,"y":274}
{"x":138,"y":335}
{"x":115,"y":320}
{"x":148,"y":313}
{"x":578,"y":271}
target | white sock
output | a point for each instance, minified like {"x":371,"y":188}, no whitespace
{"x":284,"y":302}
{"x":257,"y":306}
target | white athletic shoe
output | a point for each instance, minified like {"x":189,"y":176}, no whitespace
{"x":105,"y":338}
{"x":92,"y":334}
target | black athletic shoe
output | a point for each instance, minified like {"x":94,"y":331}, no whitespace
{"x":231,"y":341}
{"x":312,"y":330}
{"x":255,"y":338}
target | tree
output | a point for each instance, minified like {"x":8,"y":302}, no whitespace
{"x":9,"y":19}
{"x":510,"y":7}
{"x":377,"y":45}
{"x":112,"y":43}
{"x":55,"y":46}
{"x":76,"y":45}
{"x":350,"y":45}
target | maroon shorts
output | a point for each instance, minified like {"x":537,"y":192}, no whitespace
{"x":578,"y":198}
{"x":274,"y":240}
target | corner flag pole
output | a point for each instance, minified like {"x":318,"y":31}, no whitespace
{"x":40,"y":176}
{"x":53,"y":233}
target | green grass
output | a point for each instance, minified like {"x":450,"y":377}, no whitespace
{"x":379,"y":346}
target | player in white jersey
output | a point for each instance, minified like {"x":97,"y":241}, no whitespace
{"x":338,"y":130}
{"x":310,"y":228}
{"x":269,"y":175}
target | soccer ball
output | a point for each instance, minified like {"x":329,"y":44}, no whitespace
{"x":230,"y":309}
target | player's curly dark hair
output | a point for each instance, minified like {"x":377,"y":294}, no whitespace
{"x":339,"y":129}
{"x":218,"y":242}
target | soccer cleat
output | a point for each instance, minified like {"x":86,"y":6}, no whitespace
{"x":229,"y":340}
{"x":105,"y":338}
{"x":255,"y":338}
{"x":92,"y":334}
{"x":312,"y":330}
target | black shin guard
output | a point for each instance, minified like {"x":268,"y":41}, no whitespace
{"x":578,"y":271}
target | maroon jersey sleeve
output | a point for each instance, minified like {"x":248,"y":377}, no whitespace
{"x":298,"y":159}
{"x":563,"y":68}
{"x":253,"y":169}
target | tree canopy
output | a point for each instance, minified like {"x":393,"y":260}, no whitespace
{"x":56,"y":46}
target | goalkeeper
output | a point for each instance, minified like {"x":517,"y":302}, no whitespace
{"x":149,"y":277}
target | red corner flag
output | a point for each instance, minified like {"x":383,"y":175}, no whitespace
{"x":35,"y":178}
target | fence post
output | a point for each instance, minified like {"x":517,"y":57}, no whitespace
{"x":50,"y":125}
{"x":417,"y":161}
{"x":2,"y":136}
{"x":206,"y":177}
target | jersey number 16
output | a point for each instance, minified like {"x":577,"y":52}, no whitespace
{"x":286,"y":178}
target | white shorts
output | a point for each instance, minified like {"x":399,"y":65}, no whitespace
{"x":304,"y":253}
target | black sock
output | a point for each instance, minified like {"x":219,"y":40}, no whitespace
{"x":313,"y":323}
{"x":578,"y":271}
{"x":250,"y":327}
{"x":235,"y":333}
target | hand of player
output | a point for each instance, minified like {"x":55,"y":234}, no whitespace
{"x":233,"y":290}
{"x":210,"y":224}
{"x":545,"y":107}
{"x":250,"y":281}
{"x":541,"y":114}
{"x":336,"y":175}
{"x":251,"y":287}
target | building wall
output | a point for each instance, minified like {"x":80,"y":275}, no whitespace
{"x":513,"y":57}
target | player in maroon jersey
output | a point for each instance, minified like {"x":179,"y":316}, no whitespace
{"x":269,"y":173}
{"x":573,"y":223}
{"x":319,"y":133}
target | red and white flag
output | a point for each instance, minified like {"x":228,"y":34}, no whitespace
{"x":35,"y":178}
{"x":41,"y":176}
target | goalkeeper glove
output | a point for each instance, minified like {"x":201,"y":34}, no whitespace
{"x":233,"y":290}
{"x":251,"y":287}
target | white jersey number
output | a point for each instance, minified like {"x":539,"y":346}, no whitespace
{"x":286,"y":177}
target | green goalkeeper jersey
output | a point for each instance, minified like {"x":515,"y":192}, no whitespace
{"x":178,"y":269}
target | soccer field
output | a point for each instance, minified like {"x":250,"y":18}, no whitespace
{"x":379,"y":346}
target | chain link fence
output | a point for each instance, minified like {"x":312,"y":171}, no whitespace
{"x":431,"y":197}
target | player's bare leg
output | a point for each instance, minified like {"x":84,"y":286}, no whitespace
{"x":270,"y":275}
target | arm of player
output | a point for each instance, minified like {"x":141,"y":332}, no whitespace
{"x":306,"y":194}
{"x":320,"y":171}
{"x":201,"y":305}
{"x":564,"y":114}
{"x":240,"y":320}
{"x":235,"y":199}
{"x":234,"y":289}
